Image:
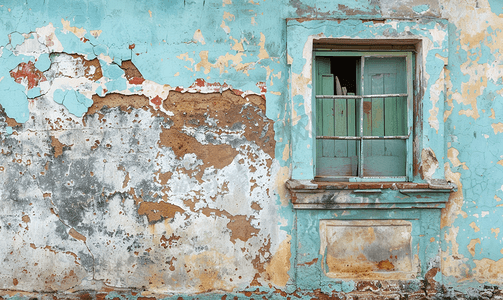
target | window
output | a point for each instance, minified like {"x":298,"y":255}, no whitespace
{"x":424,"y":47}
{"x":363,"y":107}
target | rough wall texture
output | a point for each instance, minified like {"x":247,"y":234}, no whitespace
{"x":145,"y":148}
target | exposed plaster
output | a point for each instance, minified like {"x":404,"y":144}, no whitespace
{"x":142,"y":179}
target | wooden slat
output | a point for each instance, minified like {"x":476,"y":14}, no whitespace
{"x":328,"y":115}
{"x":352,"y":131}
{"x":386,"y":165}
{"x":322,"y":65}
{"x":377,"y":87}
{"x":337,"y":166}
{"x":341,"y":127}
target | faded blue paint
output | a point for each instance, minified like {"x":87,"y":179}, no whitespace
{"x":496,"y":6}
{"x":421,"y":8}
{"x":14,"y":100}
{"x":33,"y":93}
{"x":99,"y":91}
{"x":43,"y":62}
{"x":115,"y":74}
{"x":75,"y":102}
{"x":16,"y":38}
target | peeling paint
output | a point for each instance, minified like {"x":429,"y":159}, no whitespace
{"x":145,"y":153}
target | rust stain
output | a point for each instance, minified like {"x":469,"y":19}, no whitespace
{"x":11,"y":122}
{"x":124,"y":102}
{"x":76,"y":235}
{"x":233,"y":111}
{"x":309,"y":263}
{"x":126,"y":180}
{"x":241,"y":228}
{"x":169,"y":242}
{"x":163,"y":177}
{"x":96,"y":145}
{"x":261,"y":257}
{"x":157,"y":100}
{"x":92,"y":68}
{"x":218,"y":156}
{"x":383,"y":21}
{"x":385,"y":265}
{"x":49,"y":248}
{"x":15,"y":281}
{"x":359,"y":252}
{"x":239,"y":225}
{"x":26,"y":219}
{"x":28,"y":72}
{"x":132,"y":73}
{"x":58,"y":146}
{"x":367,"y":107}
{"x":255,"y":206}
{"x":171,"y":264}
{"x":157,"y":211}
{"x":430,"y":282}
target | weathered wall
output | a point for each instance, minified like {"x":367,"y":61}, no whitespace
{"x":145,"y":148}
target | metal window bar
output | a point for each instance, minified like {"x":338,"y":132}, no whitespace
{"x":404,"y":137}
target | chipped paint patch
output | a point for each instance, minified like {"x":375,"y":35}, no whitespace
{"x":79,"y":32}
{"x":198,"y":37}
{"x":497,"y":127}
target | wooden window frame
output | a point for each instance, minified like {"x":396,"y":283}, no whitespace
{"x":409,"y":60}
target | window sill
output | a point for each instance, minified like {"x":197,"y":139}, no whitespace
{"x":369,"y":195}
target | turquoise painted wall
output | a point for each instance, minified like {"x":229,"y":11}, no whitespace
{"x":207,"y":47}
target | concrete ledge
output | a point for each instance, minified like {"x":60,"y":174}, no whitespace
{"x":369,"y":195}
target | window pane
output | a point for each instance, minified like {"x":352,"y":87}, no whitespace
{"x":384,"y":157}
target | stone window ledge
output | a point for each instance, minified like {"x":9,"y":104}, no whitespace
{"x":437,"y":185}
{"x":312,"y":194}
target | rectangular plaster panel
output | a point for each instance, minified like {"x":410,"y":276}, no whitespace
{"x":367,"y":249}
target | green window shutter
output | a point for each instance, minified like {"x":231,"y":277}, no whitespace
{"x":334,"y":118}
{"x":385,"y":116}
